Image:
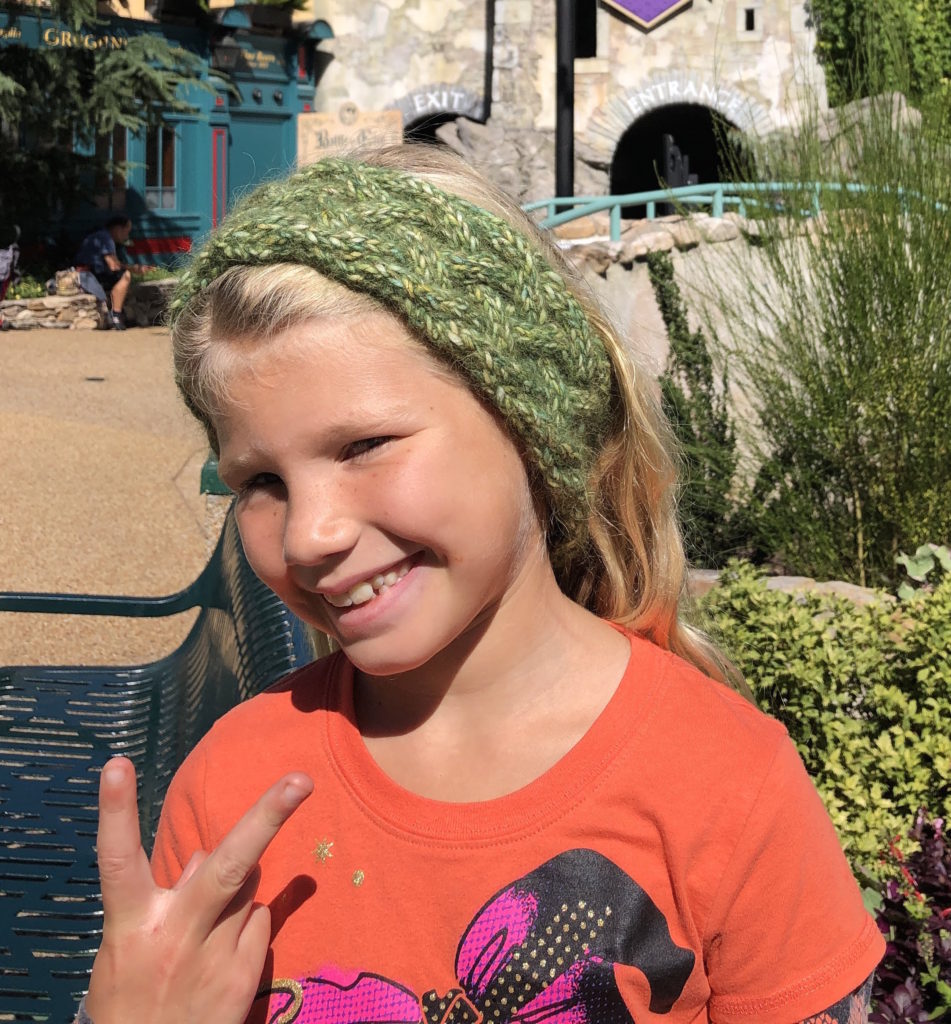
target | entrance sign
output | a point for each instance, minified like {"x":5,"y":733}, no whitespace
{"x":320,"y":135}
{"x":648,"y":13}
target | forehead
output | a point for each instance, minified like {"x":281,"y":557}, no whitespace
{"x":346,"y":362}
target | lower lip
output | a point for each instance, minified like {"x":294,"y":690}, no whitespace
{"x":357,"y":616}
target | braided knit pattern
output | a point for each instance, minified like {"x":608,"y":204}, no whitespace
{"x":474,"y":288}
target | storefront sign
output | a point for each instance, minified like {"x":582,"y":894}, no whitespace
{"x":56,"y":38}
{"x":259,"y":60}
{"x":648,"y":13}
{"x":320,"y":135}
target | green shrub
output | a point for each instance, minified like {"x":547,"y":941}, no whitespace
{"x":837,"y":331}
{"x":26,"y":288}
{"x":697,"y":409}
{"x":865,"y":692}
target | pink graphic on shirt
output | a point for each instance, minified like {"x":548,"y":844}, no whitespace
{"x":341,"y":997}
{"x":543,"y":950}
{"x":492,"y":938}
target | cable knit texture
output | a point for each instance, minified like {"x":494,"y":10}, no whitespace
{"x":475,"y":289}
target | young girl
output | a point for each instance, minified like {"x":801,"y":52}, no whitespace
{"x":522,"y":790}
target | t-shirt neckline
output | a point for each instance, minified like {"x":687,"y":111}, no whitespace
{"x":572,"y":779}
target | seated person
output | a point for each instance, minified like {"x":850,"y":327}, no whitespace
{"x":97,"y":254}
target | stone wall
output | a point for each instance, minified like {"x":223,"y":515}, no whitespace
{"x":144,"y":306}
{"x":57,"y":311}
{"x":492,"y":65}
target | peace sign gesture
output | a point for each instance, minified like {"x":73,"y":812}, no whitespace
{"x":195,"y":952}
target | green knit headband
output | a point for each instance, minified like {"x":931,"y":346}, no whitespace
{"x":474,"y":288}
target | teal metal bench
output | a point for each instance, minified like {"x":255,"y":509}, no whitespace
{"x":59,"y":724}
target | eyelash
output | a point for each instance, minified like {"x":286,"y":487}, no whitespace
{"x":353,"y":452}
{"x":365,"y":446}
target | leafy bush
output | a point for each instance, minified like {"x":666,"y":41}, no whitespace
{"x":697,"y":410}
{"x":27,"y":288}
{"x":913,"y":982}
{"x":864,"y":690}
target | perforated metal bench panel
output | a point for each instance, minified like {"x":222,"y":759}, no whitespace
{"x":58,"y":725}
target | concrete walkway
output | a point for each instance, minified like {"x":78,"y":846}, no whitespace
{"x":99,"y":489}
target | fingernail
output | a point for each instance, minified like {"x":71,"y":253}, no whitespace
{"x":295,"y":793}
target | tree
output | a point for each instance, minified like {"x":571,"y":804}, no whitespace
{"x":892,"y":44}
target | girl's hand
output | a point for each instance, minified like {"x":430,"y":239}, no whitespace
{"x":193,"y":953}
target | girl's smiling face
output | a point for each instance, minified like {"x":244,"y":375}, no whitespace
{"x":377,"y":496}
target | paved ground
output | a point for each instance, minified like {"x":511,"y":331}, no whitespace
{"x":99,"y":489}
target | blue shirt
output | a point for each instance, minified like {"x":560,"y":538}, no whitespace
{"x":94,"y":249}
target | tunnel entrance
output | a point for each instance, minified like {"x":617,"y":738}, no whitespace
{"x":676,"y":145}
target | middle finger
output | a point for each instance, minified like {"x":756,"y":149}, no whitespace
{"x":224,"y":872}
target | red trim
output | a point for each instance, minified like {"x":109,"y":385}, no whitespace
{"x":156,"y":246}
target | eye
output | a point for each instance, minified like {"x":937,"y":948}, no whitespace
{"x":362,"y":447}
{"x":257,"y":483}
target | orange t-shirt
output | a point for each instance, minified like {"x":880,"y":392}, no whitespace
{"x":676,"y":865}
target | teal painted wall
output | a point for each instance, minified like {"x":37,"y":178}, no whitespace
{"x":236,"y":138}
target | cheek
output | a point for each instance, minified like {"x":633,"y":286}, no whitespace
{"x":261,"y":527}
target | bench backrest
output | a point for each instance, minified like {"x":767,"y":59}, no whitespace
{"x":58,"y":724}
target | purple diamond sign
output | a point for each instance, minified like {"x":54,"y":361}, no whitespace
{"x":648,"y":13}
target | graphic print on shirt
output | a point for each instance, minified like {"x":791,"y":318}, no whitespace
{"x":543,"y":949}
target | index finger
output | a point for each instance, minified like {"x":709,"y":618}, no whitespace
{"x":218,"y":880}
{"x":124,"y":873}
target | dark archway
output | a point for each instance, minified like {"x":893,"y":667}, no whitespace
{"x":423,"y":129}
{"x":701,"y":146}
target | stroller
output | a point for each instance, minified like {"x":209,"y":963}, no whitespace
{"x":9,"y":271}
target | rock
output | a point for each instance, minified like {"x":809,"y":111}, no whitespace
{"x":790,"y":584}
{"x":638,"y":242}
{"x":595,"y":256}
{"x":685,"y":233}
{"x":857,"y":595}
{"x":717,"y":229}
{"x":147,"y":301}
{"x":702,"y":581}
{"x":595,"y":225}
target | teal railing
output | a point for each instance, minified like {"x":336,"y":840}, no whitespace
{"x":714,"y":197}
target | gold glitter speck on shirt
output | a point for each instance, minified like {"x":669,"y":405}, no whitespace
{"x":358,"y":877}
{"x":322,"y":851}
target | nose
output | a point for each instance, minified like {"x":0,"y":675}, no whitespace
{"x":317,"y":526}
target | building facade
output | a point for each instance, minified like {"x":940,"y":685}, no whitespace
{"x":481,"y":76}
{"x":655,"y":83}
{"x":182,"y":174}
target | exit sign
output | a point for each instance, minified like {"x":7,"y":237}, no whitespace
{"x":648,"y":13}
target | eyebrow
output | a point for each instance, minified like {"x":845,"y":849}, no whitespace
{"x":374,"y":423}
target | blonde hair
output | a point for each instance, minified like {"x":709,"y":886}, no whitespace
{"x":633,"y":571}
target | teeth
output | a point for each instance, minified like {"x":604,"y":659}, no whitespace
{"x":368,"y":589}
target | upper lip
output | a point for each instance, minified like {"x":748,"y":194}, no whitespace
{"x":344,"y":586}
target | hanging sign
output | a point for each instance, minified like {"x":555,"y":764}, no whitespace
{"x":648,"y":13}
{"x":320,"y":135}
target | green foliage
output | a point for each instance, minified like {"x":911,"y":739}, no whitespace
{"x":27,"y":288}
{"x":865,"y":692}
{"x":838,"y":334}
{"x":923,"y":567}
{"x":871,"y":46}
{"x":697,"y":410}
